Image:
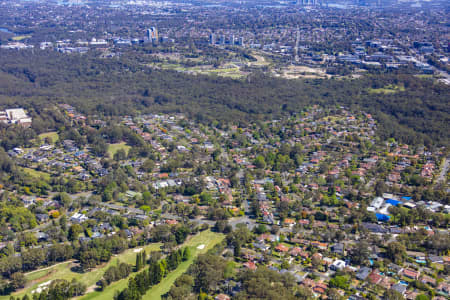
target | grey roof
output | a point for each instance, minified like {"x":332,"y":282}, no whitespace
{"x":399,"y":288}
{"x":435,"y":259}
{"x":363,"y":273}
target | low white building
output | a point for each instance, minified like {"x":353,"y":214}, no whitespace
{"x":376,"y":204}
{"x":78,"y":218}
{"x":338,"y":265}
{"x":17,"y":116}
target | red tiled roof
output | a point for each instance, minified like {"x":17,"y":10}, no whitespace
{"x":250,"y":265}
{"x":282,"y":248}
{"x":375,"y":278}
{"x":410,"y":273}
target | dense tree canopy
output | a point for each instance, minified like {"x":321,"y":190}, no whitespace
{"x":123,"y":87}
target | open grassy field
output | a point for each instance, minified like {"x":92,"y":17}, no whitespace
{"x":389,"y":89}
{"x":63,"y":271}
{"x":37,"y":174}
{"x":21,"y":37}
{"x":113,"y":148}
{"x":52,"y":135}
{"x":425,"y":76}
{"x":206,"y":238}
{"x":227,"y":71}
{"x":293,"y":72}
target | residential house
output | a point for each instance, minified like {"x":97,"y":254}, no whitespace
{"x":401,"y":288}
{"x":289,"y":222}
{"x":374,"y":277}
{"x":444,"y":287}
{"x":42,"y":218}
{"x":363,"y":273}
{"x":250,"y":265}
{"x":338,"y":248}
{"x":222,"y":297}
{"x":321,"y":246}
{"x":78,"y":218}
{"x":338,"y":265}
{"x":295,"y":251}
{"x":320,"y":288}
{"x":428,"y":280}
{"x":282,"y":248}
{"x":412,"y":274}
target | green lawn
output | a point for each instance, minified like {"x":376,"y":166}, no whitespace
{"x":232,"y":71}
{"x":208,"y":239}
{"x":52,"y":135}
{"x":389,"y":89}
{"x":225,"y":70}
{"x":36,"y":174}
{"x":113,"y":148}
{"x":21,"y":37}
{"x":63,"y":271}
{"x":424,"y":76}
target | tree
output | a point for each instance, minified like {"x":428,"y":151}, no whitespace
{"x":74,"y":232}
{"x":380,"y":188}
{"x":157,"y":271}
{"x":396,"y":251}
{"x":205,"y":198}
{"x":63,"y":289}
{"x":139,"y":264}
{"x":181,"y":232}
{"x":266,"y":284}
{"x":120,"y":155}
{"x":260,"y":162}
{"x":182,"y":287}
{"x":186,"y":253}
{"x":240,"y":235}
{"x":237,"y":249}
{"x":60,"y":252}
{"x":207,"y":271}
{"x":360,"y":253}
{"x":393,"y":295}
{"x":439,"y":242}
{"x":340,"y":282}
{"x":64,"y":199}
{"x":32,"y":258}
{"x":17,"y":281}
{"x":148,"y":165}
{"x":333,"y":294}
{"x":222,"y":226}
{"x":144,"y":258}
{"x":304,"y":293}
{"x":316,"y":261}
{"x":261,"y":228}
{"x":180,"y":292}
{"x":10,"y":264}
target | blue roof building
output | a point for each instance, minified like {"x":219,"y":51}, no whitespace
{"x":393,"y":202}
{"x":382,"y":217}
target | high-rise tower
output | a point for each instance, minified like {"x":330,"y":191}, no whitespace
{"x":152,"y":34}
